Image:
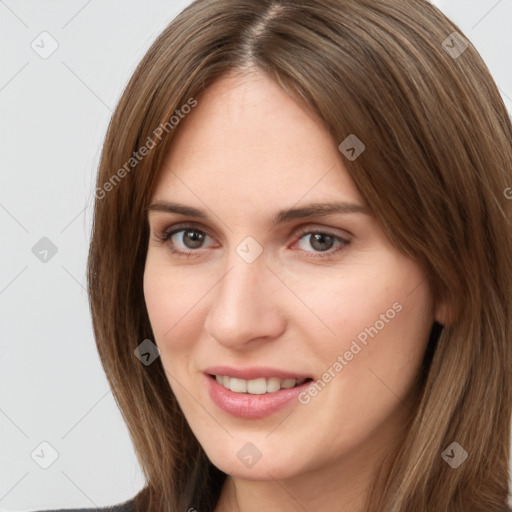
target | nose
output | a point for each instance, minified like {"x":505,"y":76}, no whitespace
{"x":245,"y":305}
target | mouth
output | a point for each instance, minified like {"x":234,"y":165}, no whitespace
{"x":257,"y":397}
{"x":258,"y":386}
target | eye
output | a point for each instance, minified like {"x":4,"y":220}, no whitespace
{"x":322,"y":243}
{"x":183,"y":240}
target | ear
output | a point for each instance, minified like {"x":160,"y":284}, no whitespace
{"x":443,"y":312}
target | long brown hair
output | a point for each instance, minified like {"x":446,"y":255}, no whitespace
{"x":435,"y":173}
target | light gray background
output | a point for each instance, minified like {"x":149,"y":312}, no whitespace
{"x":54,"y":116}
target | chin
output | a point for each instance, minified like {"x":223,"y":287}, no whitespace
{"x":269,"y":467}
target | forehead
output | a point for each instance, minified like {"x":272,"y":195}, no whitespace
{"x":247,"y":143}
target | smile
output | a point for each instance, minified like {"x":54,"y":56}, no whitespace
{"x":254,"y":398}
{"x":257,"y":386}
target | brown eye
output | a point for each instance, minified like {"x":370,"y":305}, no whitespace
{"x":192,"y":238}
{"x":184,"y":240}
{"x":321,"y":241}
{"x":319,"y":244}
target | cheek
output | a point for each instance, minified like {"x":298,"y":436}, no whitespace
{"x":158,"y":296}
{"x":377,"y":319}
{"x":171,"y":314}
{"x":400,"y":355}
{"x":368,"y":368}
{"x":344,"y":307}
{"x":171,"y":297}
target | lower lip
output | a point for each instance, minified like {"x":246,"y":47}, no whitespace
{"x":249,"y":406}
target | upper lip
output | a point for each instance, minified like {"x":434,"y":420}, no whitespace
{"x":255,"y":372}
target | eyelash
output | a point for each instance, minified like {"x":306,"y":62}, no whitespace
{"x":165,"y":235}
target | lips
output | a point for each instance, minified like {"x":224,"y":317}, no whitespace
{"x":257,"y":404}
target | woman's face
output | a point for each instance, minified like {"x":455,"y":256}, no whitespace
{"x":265,"y":297}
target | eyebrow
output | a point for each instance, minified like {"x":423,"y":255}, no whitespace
{"x":311,"y":210}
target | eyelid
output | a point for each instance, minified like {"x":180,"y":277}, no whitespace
{"x":312,"y":228}
{"x":166,"y":233}
{"x":303,"y":229}
{"x":183,"y":225}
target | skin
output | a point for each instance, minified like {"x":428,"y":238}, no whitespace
{"x":246,"y":151}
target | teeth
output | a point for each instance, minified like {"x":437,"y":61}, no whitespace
{"x":288,"y":383}
{"x":238,"y":385}
{"x":257,"y":386}
{"x":273,"y":384}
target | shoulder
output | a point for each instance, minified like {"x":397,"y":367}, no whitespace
{"x":127,"y":506}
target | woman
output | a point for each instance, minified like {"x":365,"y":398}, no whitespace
{"x":301,"y":262}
